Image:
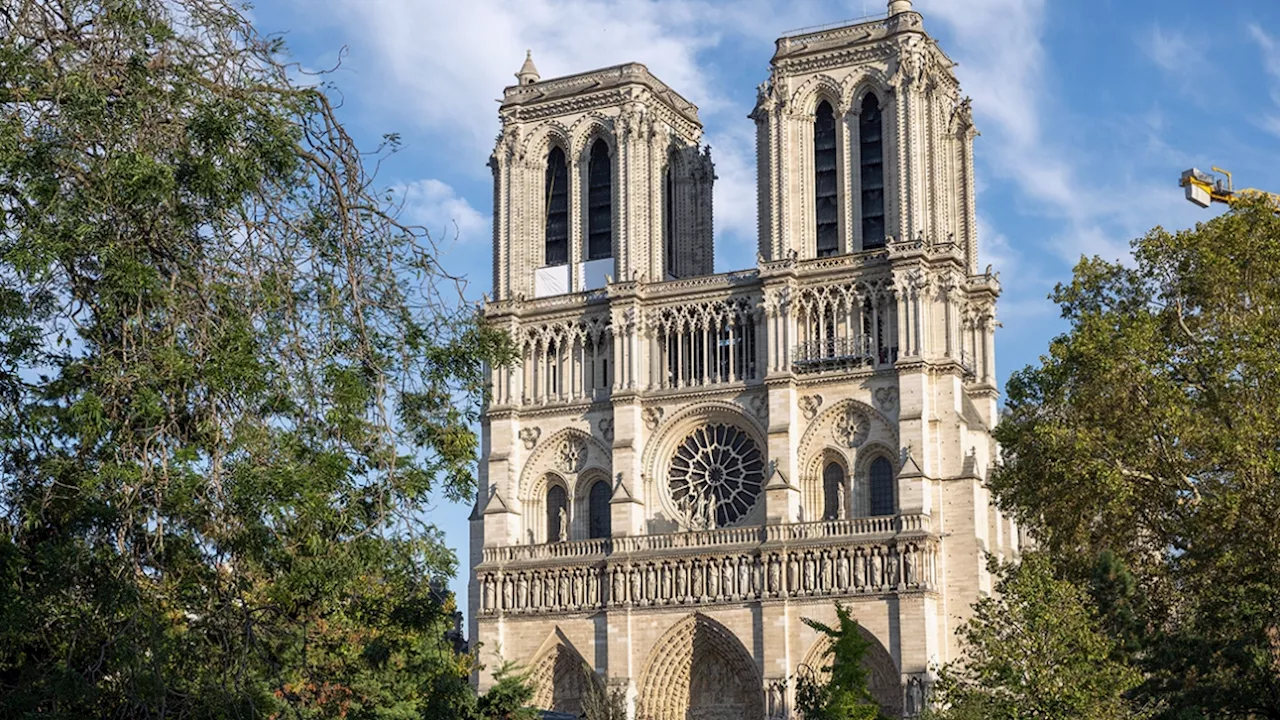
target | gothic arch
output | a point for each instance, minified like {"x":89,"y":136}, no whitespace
{"x":560,"y":676}
{"x":587,"y":130}
{"x":870,"y":80}
{"x":861,"y":480}
{"x":569,"y":455}
{"x":699,"y":667}
{"x":539,"y":142}
{"x":826,"y":434}
{"x":883,"y":677}
{"x":815,"y":90}
{"x":812,"y":486}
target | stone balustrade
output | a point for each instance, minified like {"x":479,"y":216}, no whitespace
{"x":842,"y":558}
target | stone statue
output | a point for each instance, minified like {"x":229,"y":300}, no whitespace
{"x":506,"y":594}
{"x":744,"y":577}
{"x":775,"y":578}
{"x":713,"y":579}
{"x":564,"y":525}
{"x":522,"y":592}
{"x":487,"y":594}
{"x":637,"y":586}
{"x":909,"y":567}
{"x":808,"y":573}
{"x":682,"y":581}
{"x":619,"y":586}
{"x":842,"y":572}
{"x":915,"y":696}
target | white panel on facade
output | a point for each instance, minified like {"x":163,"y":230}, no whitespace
{"x":549,"y":281}
{"x":595,"y":273}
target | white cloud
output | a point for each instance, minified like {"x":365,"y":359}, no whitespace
{"x":1172,"y":52}
{"x":449,"y":218}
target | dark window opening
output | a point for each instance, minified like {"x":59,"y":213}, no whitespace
{"x":870,"y":127}
{"x":557,"y":199}
{"x":598,"y":511}
{"x":826,"y":205}
{"x":669,"y":221}
{"x":832,"y":490}
{"x":557,"y":514}
{"x":599,"y":203}
{"x":881,"y":487}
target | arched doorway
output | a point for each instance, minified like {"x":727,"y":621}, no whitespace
{"x":699,"y":670}
{"x":882,"y":673}
{"x":561,"y":680}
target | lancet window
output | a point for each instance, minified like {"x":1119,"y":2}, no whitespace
{"x":709,"y":344}
{"x":826,"y":204}
{"x":557,"y":514}
{"x":833,"y":483}
{"x":599,"y":203}
{"x":880,"y":480}
{"x":556,"y":248}
{"x":598,"y":520}
{"x":871,"y":156}
{"x":669,"y":221}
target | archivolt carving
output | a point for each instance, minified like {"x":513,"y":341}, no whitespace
{"x":699,"y":669}
{"x":561,"y":678}
{"x":850,"y":426}
{"x":882,"y":673}
{"x":816,"y":89}
{"x":538,"y":143}
{"x":554,"y":454}
{"x":588,"y":128}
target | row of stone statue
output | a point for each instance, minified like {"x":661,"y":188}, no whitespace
{"x":753,"y":576}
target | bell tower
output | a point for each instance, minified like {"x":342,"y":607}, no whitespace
{"x":863,"y":138}
{"x":598,"y":176}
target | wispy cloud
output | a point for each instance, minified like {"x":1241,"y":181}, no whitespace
{"x":1270,"y":49}
{"x":449,"y":218}
{"x":1172,"y":52}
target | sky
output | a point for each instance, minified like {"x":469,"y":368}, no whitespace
{"x":1089,"y":111}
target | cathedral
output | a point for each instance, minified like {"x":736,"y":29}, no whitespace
{"x":684,"y":466}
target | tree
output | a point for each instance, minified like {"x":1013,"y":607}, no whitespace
{"x":1149,"y":432}
{"x":230,"y":382}
{"x":845,"y":695}
{"x":600,"y":702}
{"x":511,"y":696}
{"x":1035,"y":650}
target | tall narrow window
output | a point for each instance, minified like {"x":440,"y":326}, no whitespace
{"x":826,"y":207}
{"x":557,"y":237}
{"x":599,"y":203}
{"x":870,"y":127}
{"x":832,"y":492}
{"x":881,"y":481}
{"x":557,"y":515}
{"x":598,"y":511}
{"x":669,"y":220}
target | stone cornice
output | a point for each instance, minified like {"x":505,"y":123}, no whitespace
{"x":590,"y":89}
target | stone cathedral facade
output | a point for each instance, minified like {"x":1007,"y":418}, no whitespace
{"x":685,"y":464}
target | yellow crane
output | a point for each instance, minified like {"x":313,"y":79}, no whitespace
{"x":1204,"y":188}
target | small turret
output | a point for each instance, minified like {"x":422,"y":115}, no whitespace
{"x":528,"y":74}
{"x":897,"y":7}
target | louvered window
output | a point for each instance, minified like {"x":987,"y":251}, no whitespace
{"x":870,"y":133}
{"x":599,"y":203}
{"x":827,"y":207}
{"x":557,"y":199}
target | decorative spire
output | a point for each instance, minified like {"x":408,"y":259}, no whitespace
{"x":897,"y":7}
{"x":528,"y":74}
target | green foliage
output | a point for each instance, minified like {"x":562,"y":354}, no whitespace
{"x":1143,"y":452}
{"x":230,"y":381}
{"x":845,"y":695}
{"x":601,"y":703}
{"x":1035,"y":650}
{"x":511,"y":696}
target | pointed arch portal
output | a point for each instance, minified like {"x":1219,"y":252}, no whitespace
{"x":699,"y":670}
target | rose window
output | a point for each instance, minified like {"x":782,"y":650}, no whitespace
{"x":716,"y":476}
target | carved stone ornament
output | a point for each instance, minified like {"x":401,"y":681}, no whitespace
{"x":530,"y":436}
{"x":852,"y":427}
{"x":886,"y":398}
{"x":653,"y":417}
{"x":809,"y":405}
{"x":572,"y":454}
{"x":760,"y":406}
{"x":606,"y":428}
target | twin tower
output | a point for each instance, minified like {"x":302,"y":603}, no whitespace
{"x":684,"y":465}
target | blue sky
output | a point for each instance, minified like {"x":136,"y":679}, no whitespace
{"x":1089,"y":111}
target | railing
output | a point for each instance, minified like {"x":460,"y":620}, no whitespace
{"x":846,"y":530}
{"x":856,"y":350}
